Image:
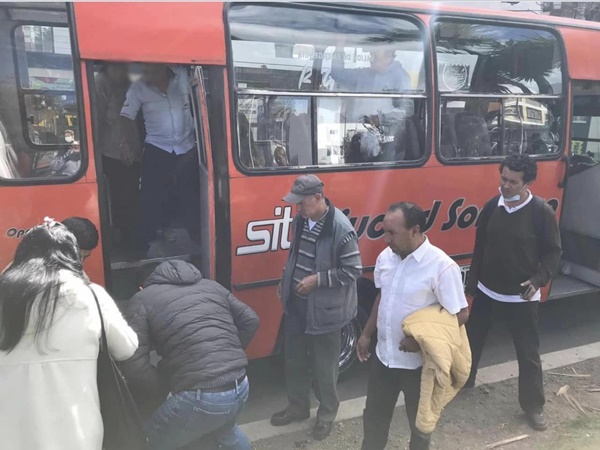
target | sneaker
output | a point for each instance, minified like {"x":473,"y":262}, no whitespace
{"x":537,"y":421}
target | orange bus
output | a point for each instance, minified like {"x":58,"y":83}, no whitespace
{"x":282,"y":89}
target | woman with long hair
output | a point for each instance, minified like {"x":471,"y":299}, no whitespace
{"x":49,"y":342}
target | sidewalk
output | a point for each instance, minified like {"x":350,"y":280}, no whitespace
{"x":486,"y":415}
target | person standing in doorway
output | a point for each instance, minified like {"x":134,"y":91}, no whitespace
{"x":169,"y":172}
{"x":123,"y":174}
{"x":411,"y":274}
{"x":517,"y":250}
{"x":318,"y":293}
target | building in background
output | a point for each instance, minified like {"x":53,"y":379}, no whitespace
{"x":575,"y":10}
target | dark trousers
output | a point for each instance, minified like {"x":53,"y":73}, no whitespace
{"x":308,"y":356}
{"x":170,"y":189}
{"x":123,"y":187}
{"x":522,"y":320}
{"x":384,"y":387}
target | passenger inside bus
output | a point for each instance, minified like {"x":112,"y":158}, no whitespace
{"x":169,"y":192}
{"x":122,"y":176}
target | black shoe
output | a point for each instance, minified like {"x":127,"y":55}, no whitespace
{"x":286,"y":417}
{"x":322,"y":429}
{"x":537,"y":421}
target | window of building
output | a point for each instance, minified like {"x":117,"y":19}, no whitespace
{"x":320,"y":88}
{"x":500,"y":90}
{"x":39,"y":126}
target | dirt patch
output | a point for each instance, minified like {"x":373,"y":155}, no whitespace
{"x":486,"y":415}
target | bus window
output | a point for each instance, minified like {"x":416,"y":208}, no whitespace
{"x":585,"y":126}
{"x":39,"y":126}
{"x":500,"y":88}
{"x":347,"y":89}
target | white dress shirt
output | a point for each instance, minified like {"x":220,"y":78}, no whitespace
{"x":167,"y":117}
{"x":425,"y":277}
{"x":503,"y":297}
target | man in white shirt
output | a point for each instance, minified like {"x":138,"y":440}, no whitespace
{"x":169,"y":167}
{"x":411,"y":274}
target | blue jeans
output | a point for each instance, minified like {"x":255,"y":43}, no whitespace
{"x":188,"y":416}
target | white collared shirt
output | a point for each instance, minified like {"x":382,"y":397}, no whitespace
{"x":503,"y":297}
{"x":167,"y":117}
{"x":425,"y":277}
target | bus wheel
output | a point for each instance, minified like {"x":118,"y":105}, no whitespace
{"x":350,"y":335}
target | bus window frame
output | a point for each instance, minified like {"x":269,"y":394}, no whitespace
{"x":563,"y":96}
{"x":346,"y":9}
{"x":78,"y":79}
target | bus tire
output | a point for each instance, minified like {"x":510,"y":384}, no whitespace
{"x":350,"y":335}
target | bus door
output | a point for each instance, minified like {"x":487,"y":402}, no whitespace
{"x":207,"y":197}
{"x":580,"y":232}
{"x":189,"y":233}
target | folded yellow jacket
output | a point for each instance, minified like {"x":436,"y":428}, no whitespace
{"x":446,"y":361}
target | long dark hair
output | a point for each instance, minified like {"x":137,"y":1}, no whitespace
{"x":34,"y":278}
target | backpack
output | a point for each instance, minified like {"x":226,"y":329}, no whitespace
{"x":539,"y":225}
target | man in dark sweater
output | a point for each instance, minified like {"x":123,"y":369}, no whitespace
{"x":319,"y":297}
{"x":517,"y":250}
{"x":200,"y":330}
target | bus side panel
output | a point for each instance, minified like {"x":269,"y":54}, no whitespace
{"x":169,"y":32}
{"x":584,"y":59}
{"x":24,"y":207}
{"x":261,"y":221}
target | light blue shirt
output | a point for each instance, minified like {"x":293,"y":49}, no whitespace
{"x":167,"y":117}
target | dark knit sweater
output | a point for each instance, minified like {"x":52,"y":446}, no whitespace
{"x":507,"y":251}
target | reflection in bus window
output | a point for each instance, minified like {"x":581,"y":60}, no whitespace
{"x":373,"y":64}
{"x":488,"y":127}
{"x":501,"y":90}
{"x":392,"y":136}
{"x":38,"y":99}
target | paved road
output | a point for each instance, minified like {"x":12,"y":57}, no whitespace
{"x":564,"y":324}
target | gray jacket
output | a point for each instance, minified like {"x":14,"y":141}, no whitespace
{"x":197,"y":326}
{"x":329,"y":308}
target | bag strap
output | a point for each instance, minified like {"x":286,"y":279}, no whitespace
{"x":103,"y":340}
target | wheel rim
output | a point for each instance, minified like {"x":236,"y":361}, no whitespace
{"x":350,"y":335}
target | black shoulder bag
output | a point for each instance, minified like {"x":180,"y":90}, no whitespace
{"x":123,"y":428}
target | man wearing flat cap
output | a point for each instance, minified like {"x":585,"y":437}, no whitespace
{"x":318,"y":293}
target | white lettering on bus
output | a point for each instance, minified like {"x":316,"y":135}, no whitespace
{"x":268,"y":235}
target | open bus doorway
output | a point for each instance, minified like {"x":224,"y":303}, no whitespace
{"x":153,"y":174}
{"x":580,"y":265}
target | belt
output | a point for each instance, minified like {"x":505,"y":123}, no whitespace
{"x":231,"y":386}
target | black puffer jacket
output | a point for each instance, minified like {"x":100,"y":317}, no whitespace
{"x":197,"y":326}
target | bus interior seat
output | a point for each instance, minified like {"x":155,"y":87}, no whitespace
{"x":473,"y":135}
{"x":448,"y":140}
{"x":299,"y":139}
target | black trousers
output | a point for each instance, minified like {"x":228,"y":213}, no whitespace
{"x":384,"y":387}
{"x":309,"y":357}
{"x":124,"y":187}
{"x":522,"y":320}
{"x":170,"y":189}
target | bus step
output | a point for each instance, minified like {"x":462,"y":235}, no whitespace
{"x":123,"y":265}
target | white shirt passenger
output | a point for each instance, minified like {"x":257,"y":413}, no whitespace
{"x":425,"y":277}
{"x":167,"y":117}
{"x":503,"y":297}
